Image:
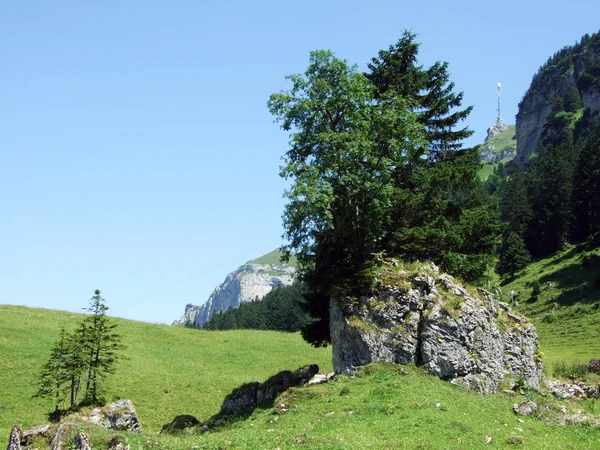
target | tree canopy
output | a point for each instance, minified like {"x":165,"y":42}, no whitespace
{"x":376,"y":168}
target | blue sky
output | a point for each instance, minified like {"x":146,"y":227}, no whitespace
{"x":137,"y":154}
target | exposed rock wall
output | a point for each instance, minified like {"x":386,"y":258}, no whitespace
{"x":245,"y":284}
{"x":553,"y":81}
{"x":429,"y":319}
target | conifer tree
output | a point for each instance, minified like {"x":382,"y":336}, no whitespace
{"x":54,"y":377}
{"x":102,"y":346}
{"x":513,"y":255}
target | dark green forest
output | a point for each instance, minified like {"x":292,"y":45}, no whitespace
{"x":279,"y":310}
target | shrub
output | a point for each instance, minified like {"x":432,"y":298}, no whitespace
{"x":594,"y":366}
{"x":536,"y":291}
{"x":573,"y":371}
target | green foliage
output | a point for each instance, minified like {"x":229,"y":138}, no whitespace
{"x":513,"y":255}
{"x":375,"y":167}
{"x":573,"y":370}
{"x":279,"y":310}
{"x":85,"y":356}
{"x":166,"y":370}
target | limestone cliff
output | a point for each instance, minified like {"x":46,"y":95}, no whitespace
{"x":418,"y":315}
{"x":499,"y":145}
{"x":572,"y":71}
{"x":248,"y":282}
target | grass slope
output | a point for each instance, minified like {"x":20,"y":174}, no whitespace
{"x":168,"y":370}
{"x":273,"y":258}
{"x":567,"y":312}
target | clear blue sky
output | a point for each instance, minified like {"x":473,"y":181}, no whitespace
{"x":137,"y":154}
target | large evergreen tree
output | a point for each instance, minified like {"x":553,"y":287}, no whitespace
{"x":376,"y":169}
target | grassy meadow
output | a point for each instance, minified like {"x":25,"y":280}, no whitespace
{"x":173,"y":370}
{"x":168,"y":370}
{"x":566,"y":311}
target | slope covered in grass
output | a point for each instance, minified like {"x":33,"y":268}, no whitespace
{"x":273,"y":258}
{"x":168,"y":370}
{"x":567,"y":309}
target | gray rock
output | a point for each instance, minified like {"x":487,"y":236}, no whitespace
{"x":468,"y":339}
{"x":56,"y":443}
{"x":119,"y":415}
{"x":525,"y":408}
{"x":82,"y":442}
{"x":252,"y":395}
{"x":536,"y":106}
{"x":118,"y":443}
{"x":14,"y":441}
{"x":245,"y":284}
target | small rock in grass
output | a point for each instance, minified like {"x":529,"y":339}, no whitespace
{"x":515,"y":440}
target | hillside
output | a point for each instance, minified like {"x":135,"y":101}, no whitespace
{"x":499,"y":147}
{"x":568,"y":85}
{"x":173,"y":370}
{"x":168,"y":370}
{"x":567,"y":310}
{"x":252,"y":280}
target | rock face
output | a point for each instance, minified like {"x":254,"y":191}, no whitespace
{"x":252,"y":395}
{"x":14,"y":441}
{"x":119,"y":415}
{"x":426,"y":317}
{"x":245,"y":284}
{"x":499,"y":144}
{"x":553,"y":80}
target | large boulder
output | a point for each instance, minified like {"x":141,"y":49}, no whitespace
{"x":419,"y":315}
{"x":119,"y":415}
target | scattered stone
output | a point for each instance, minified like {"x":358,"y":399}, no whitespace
{"x":429,"y":319}
{"x":579,"y":390}
{"x":320,"y":378}
{"x":14,"y":441}
{"x":525,"y":408}
{"x":30,"y":434}
{"x":488,"y":439}
{"x":82,"y":442}
{"x":118,"y":443}
{"x":509,"y":392}
{"x":204,"y":428}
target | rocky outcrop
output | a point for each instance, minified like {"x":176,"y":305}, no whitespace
{"x":251,"y":395}
{"x":499,"y":145}
{"x":82,"y":442}
{"x":568,"y":68}
{"x":425,"y":317}
{"x":245,"y":284}
{"x":14,"y":441}
{"x":119,"y":415}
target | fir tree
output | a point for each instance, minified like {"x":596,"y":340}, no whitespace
{"x":102,"y":346}
{"x":513,"y":255}
{"x":54,"y":377}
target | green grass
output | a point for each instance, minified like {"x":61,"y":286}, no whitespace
{"x":486,"y":170}
{"x":387,"y":408}
{"x":567,"y":312}
{"x":504,"y":140}
{"x":169,"y":370}
{"x":173,"y":370}
{"x":273,"y":258}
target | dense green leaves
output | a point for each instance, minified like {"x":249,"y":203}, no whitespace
{"x":376,"y":168}
{"x":82,"y":359}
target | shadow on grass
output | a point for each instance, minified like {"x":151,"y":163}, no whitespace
{"x":242,"y":401}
